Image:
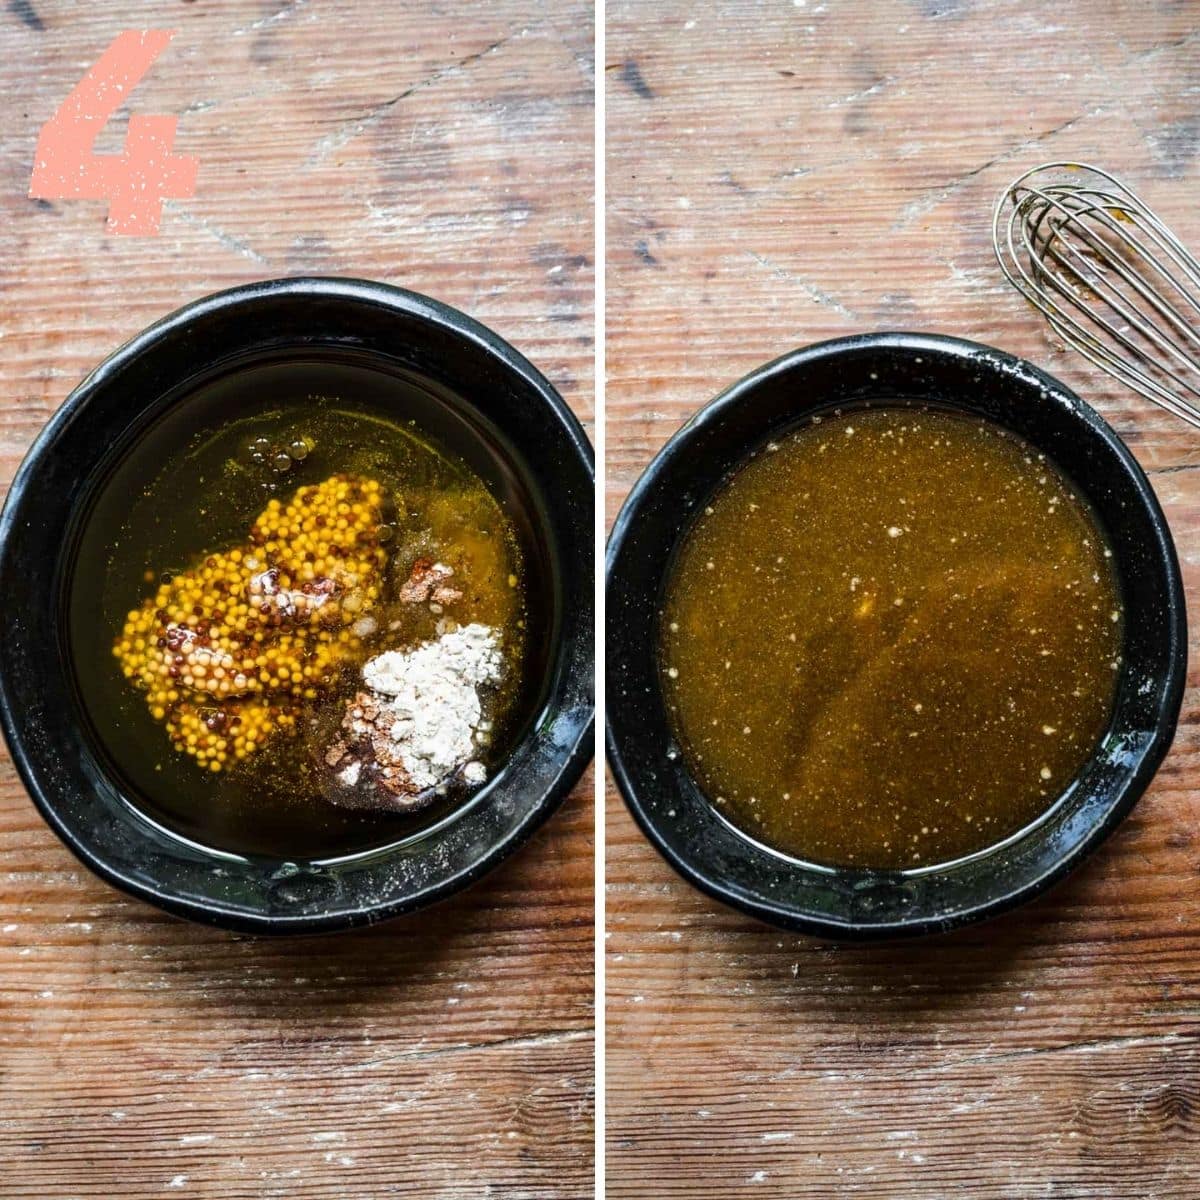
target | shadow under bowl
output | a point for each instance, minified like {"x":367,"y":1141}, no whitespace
{"x":856,"y":903}
{"x":458,"y":383}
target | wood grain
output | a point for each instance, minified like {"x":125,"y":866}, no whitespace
{"x":779,"y":173}
{"x":447,"y":148}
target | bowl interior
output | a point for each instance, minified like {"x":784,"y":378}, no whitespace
{"x":881,"y":369}
{"x":466,"y":390}
{"x":122,"y":729}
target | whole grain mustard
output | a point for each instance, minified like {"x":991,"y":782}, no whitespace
{"x":227,"y":651}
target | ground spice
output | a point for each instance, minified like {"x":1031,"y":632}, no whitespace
{"x":418,"y":721}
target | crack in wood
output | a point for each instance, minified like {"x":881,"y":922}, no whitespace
{"x":932,"y":197}
{"x":1173,"y":470}
{"x":535,"y":1041}
{"x":358,"y":125}
{"x":1151,"y":51}
{"x":813,"y":292}
{"x":263,"y":22}
{"x":226,"y":239}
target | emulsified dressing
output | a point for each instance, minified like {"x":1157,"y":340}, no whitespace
{"x":891,"y":639}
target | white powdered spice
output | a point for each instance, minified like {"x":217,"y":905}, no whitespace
{"x":430,"y":696}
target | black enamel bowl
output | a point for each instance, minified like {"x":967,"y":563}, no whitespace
{"x":844,"y":904}
{"x":491,"y":406}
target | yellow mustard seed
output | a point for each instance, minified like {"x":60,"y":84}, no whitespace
{"x":228,"y":649}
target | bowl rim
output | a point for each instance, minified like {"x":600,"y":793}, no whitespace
{"x":573,"y":760}
{"x":793,"y":917}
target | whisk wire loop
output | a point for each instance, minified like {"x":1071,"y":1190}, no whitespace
{"x":1110,"y":277}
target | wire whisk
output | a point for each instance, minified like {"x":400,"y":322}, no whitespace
{"x":1113,"y":281}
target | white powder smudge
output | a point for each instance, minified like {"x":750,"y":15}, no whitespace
{"x":431,"y":695}
{"x":364,"y":627}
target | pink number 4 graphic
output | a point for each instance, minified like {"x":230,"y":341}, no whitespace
{"x":134,"y":182}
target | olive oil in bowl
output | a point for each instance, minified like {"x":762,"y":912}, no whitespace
{"x":244,"y":561}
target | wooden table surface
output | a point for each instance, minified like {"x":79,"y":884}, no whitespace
{"x":443,"y":147}
{"x":788,"y":171}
